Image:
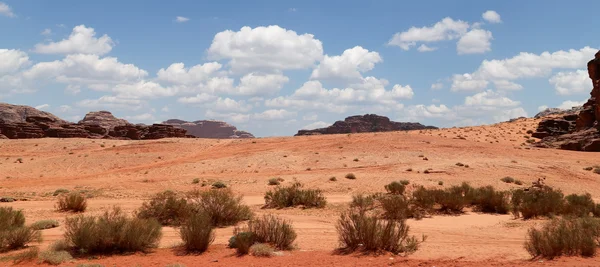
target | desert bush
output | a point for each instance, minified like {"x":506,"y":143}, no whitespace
{"x":111,"y":232}
{"x":569,"y":237}
{"x":223,"y":206}
{"x":423,"y":199}
{"x":395,"y":188}
{"x":55,"y":257}
{"x":332,"y":178}
{"x":261,"y":250}
{"x":534,"y":203}
{"x":350,"y":176}
{"x":15,"y":238}
{"x":274,"y":181}
{"x":242,"y":241}
{"x":44,"y":224}
{"x":59,"y":245}
{"x":166,"y":207}
{"x":197,"y":233}
{"x":579,"y":205}
{"x":219,"y":185}
{"x":27,"y":255}
{"x":395,"y":207}
{"x":272,"y":230}
{"x":596,"y":170}
{"x":196,"y":181}
{"x":294,"y":195}
{"x":487,"y":199}
{"x":360,"y":231}
{"x":363,"y":203}
{"x":508,"y":180}
{"x":10,"y":218}
{"x":518,"y":182}
{"x":404,"y":182}
{"x":72,"y":202}
{"x":60,"y":191}
{"x":451,"y":200}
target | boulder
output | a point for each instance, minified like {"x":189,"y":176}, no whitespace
{"x":209,"y":129}
{"x":365,"y":123}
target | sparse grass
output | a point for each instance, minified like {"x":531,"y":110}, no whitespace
{"x":166,"y":207}
{"x":60,"y":191}
{"x":197,"y":233}
{"x":272,"y":230}
{"x":175,"y":265}
{"x":395,"y":188}
{"x":350,"y":176}
{"x":294,"y":195}
{"x":223,"y":206}
{"x":44,"y":224}
{"x":59,"y":245}
{"x":74,"y":202}
{"x":568,"y":237}
{"x":55,"y":257}
{"x":219,"y":185}
{"x":261,"y":250}
{"x":518,"y":182}
{"x":508,"y":180}
{"x":28,"y":255}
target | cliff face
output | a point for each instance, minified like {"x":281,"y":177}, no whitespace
{"x":576,"y":131}
{"x":366,"y":123}
{"x":209,"y":129}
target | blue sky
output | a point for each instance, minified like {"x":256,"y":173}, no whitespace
{"x":274,"y":67}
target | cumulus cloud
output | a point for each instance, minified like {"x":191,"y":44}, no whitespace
{"x":253,"y":84}
{"x":269,"y":48}
{"x":507,"y":85}
{"x":42,"y":107}
{"x":476,"y":41}
{"x":315,"y":125}
{"x":64,"y":108}
{"x":198,"y":99}
{"x":348,"y":66}
{"x":82,"y":40}
{"x":12,"y":60}
{"x":5,"y":10}
{"x":446,"y":29}
{"x":569,"y":104}
{"x":145,"y":117}
{"x":181,"y":19}
{"x":467,"y":82}
{"x":109,"y":102}
{"x":491,"y":16}
{"x":425,"y":48}
{"x":542,"y":108}
{"x":402,"y":92}
{"x":570,"y":83}
{"x":176,"y":73}
{"x":274,"y":114}
{"x":437,"y":86}
{"x":46,"y":32}
{"x":490,"y":98}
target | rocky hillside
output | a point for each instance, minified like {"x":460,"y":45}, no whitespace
{"x":366,"y":123}
{"x":209,"y":129}
{"x":21,"y":122}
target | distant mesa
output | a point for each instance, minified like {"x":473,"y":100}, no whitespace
{"x":364,"y":124}
{"x":209,"y":129}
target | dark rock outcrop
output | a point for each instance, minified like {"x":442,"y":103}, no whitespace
{"x":365,"y":123}
{"x":579,"y":132}
{"x":209,"y":129}
{"x":557,"y":112}
{"x":102,"y":119}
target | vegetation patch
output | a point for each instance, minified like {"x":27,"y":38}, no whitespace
{"x":294,"y":195}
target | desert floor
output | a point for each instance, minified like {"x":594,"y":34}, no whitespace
{"x":125,"y":173}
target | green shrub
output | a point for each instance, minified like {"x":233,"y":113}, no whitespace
{"x":423,"y":199}
{"x":219,"y":185}
{"x":579,"y":205}
{"x":294,"y":195}
{"x":451,"y":200}
{"x":261,"y":250}
{"x":568,"y":237}
{"x":350,"y":176}
{"x":55,"y":257}
{"x":487,"y":199}
{"x":72,"y":202}
{"x":537,"y":202}
{"x":60,"y":191}
{"x":508,"y":180}
{"x":197,"y":233}
{"x":15,"y":238}
{"x":363,"y":203}
{"x":272,"y":230}
{"x":223,"y":206}
{"x":242,"y":241}
{"x":395,"y":207}
{"x":395,"y":188}
{"x":360,"y":231}
{"x":10,"y":218}
{"x":111,"y":232}
{"x":44,"y":224}
{"x":166,"y":207}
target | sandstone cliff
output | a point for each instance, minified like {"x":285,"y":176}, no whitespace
{"x":366,"y":123}
{"x":209,"y":129}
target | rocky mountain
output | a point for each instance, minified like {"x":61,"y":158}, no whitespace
{"x":365,"y":123}
{"x":21,"y":122}
{"x":209,"y":129}
{"x":558,"y":112}
{"x":580,"y":131}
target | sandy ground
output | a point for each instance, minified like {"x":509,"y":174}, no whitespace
{"x":125,"y":173}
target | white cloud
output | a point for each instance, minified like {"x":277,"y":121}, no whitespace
{"x":348,"y":66}
{"x":142,"y":89}
{"x":82,"y":40}
{"x":165,"y":109}
{"x":273,"y":114}
{"x":12,"y":60}
{"x":437,"y":86}
{"x":542,"y":108}
{"x":310,"y":117}
{"x":266,"y":48}
{"x":181,"y":19}
{"x":6,"y":10}
{"x":425,"y":48}
{"x":446,"y":29}
{"x":418,"y":112}
{"x":46,"y":32}
{"x":476,"y":41}
{"x":505,"y":115}
{"x":230,"y":105}
{"x":64,"y":108}
{"x":316,"y":125}
{"x":198,"y":99}
{"x":491,"y":16}
{"x":176,"y":73}
{"x":253,"y":84}
{"x":490,"y":98}
{"x":402,"y":92}
{"x":570,"y":83}
{"x":467,"y":82}
{"x":145,"y":117}
{"x":228,"y":117}
{"x":42,"y":107}
{"x":108,"y":102}
{"x":569,"y":104}
{"x":507,"y":85}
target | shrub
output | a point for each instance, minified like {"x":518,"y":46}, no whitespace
{"x":272,"y":230}
{"x":332,"y":178}
{"x":60,"y":191}
{"x":423,"y":199}
{"x":196,"y":181}
{"x":261,"y":250}
{"x":596,"y":170}
{"x":451,"y":200}
{"x":350,"y":176}
{"x":72,"y":202}
{"x":111,"y":232}
{"x":440,"y":182}
{"x":18,"y":237}
{"x":579,"y":205}
{"x":10,"y":218}
{"x":537,"y":202}
{"x":508,"y":180}
{"x":518,"y":182}
{"x":360,"y":231}
{"x":274,"y":181}
{"x":219,"y":185}
{"x":241,"y":241}
{"x":175,"y":265}
{"x":568,"y":237}
{"x":44,"y":224}
{"x":166,"y":207}
{"x":59,"y":245}
{"x":395,"y":188}
{"x":223,"y":206}
{"x":487,"y":199}
{"x":363,"y":203}
{"x":55,"y":257}
{"x":395,"y":207}
{"x":294,"y":195}
{"x":404,"y":182}
{"x":27,"y":255}
{"x":197,"y":233}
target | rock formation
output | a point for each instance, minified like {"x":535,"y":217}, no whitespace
{"x":576,"y":132}
{"x":22,"y":122}
{"x":557,"y":112}
{"x":209,"y":129}
{"x":365,"y":123}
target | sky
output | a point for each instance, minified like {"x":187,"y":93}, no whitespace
{"x":275,"y":67}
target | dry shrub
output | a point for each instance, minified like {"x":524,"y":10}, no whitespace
{"x":487,"y":199}
{"x":395,"y":188}
{"x":568,"y":237}
{"x":242,"y":241}
{"x":112,"y":232}
{"x":13,"y":233}
{"x":223,"y":206}
{"x":508,"y":180}
{"x":166,"y":207}
{"x":72,"y":202}
{"x":537,"y":202}
{"x":272,"y":230}
{"x":294,"y":195}
{"x":10,"y":218}
{"x":55,"y":257}
{"x":396,"y":207}
{"x":59,"y":245}
{"x":360,"y":231}
{"x":44,"y":224}
{"x":451,"y":200}
{"x":364,"y":203}
{"x":261,"y":250}
{"x":579,"y":205}
{"x":26,"y":256}
{"x":197,"y":233}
